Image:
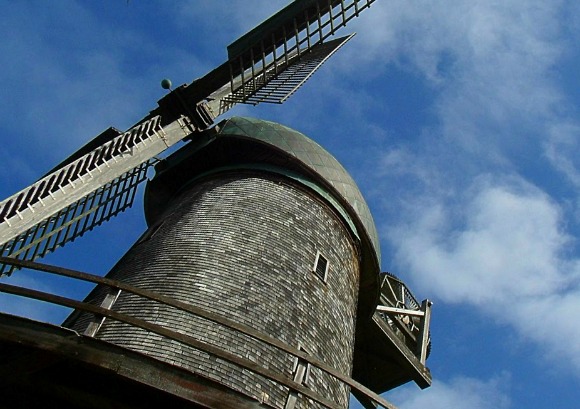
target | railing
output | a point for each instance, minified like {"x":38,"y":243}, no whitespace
{"x":409,"y":318}
{"x":100,"y":311}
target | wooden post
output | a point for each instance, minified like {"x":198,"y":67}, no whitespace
{"x":423,"y":338}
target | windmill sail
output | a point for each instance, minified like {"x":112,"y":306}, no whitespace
{"x":293,"y":34}
{"x":81,"y":195}
{"x":268,"y":64}
{"x":281,"y":79}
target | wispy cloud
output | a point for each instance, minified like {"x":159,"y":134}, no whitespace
{"x":507,"y":230}
{"x":492,"y":64}
{"x":459,"y":392}
{"x":500,"y":247}
{"x":561,"y":148}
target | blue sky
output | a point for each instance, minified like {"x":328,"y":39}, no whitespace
{"x":458,"y":119}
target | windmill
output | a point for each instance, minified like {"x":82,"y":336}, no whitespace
{"x":266,"y":65}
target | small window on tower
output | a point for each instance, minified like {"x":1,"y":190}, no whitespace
{"x":321,"y":266}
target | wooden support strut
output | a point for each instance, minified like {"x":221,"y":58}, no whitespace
{"x":423,"y":339}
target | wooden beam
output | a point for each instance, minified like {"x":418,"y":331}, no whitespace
{"x":403,"y":311}
{"x":423,"y":340}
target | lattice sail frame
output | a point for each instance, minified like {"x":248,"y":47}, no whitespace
{"x":76,"y":219}
{"x":83,"y":194}
{"x":290,"y":41}
{"x":280,"y":81}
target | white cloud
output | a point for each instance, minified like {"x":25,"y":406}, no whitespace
{"x":402,"y":162}
{"x":551,"y":321}
{"x":460,"y":392}
{"x":502,"y":248}
{"x":491,"y":62}
{"x":506,"y":233}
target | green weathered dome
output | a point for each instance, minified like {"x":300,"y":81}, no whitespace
{"x":314,"y":157}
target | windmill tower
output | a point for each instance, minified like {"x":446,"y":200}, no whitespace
{"x":257,"y":281}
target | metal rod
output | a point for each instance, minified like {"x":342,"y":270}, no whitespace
{"x":285,"y":46}
{"x":296,"y":32}
{"x":319,"y":23}
{"x":274,"y":56}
